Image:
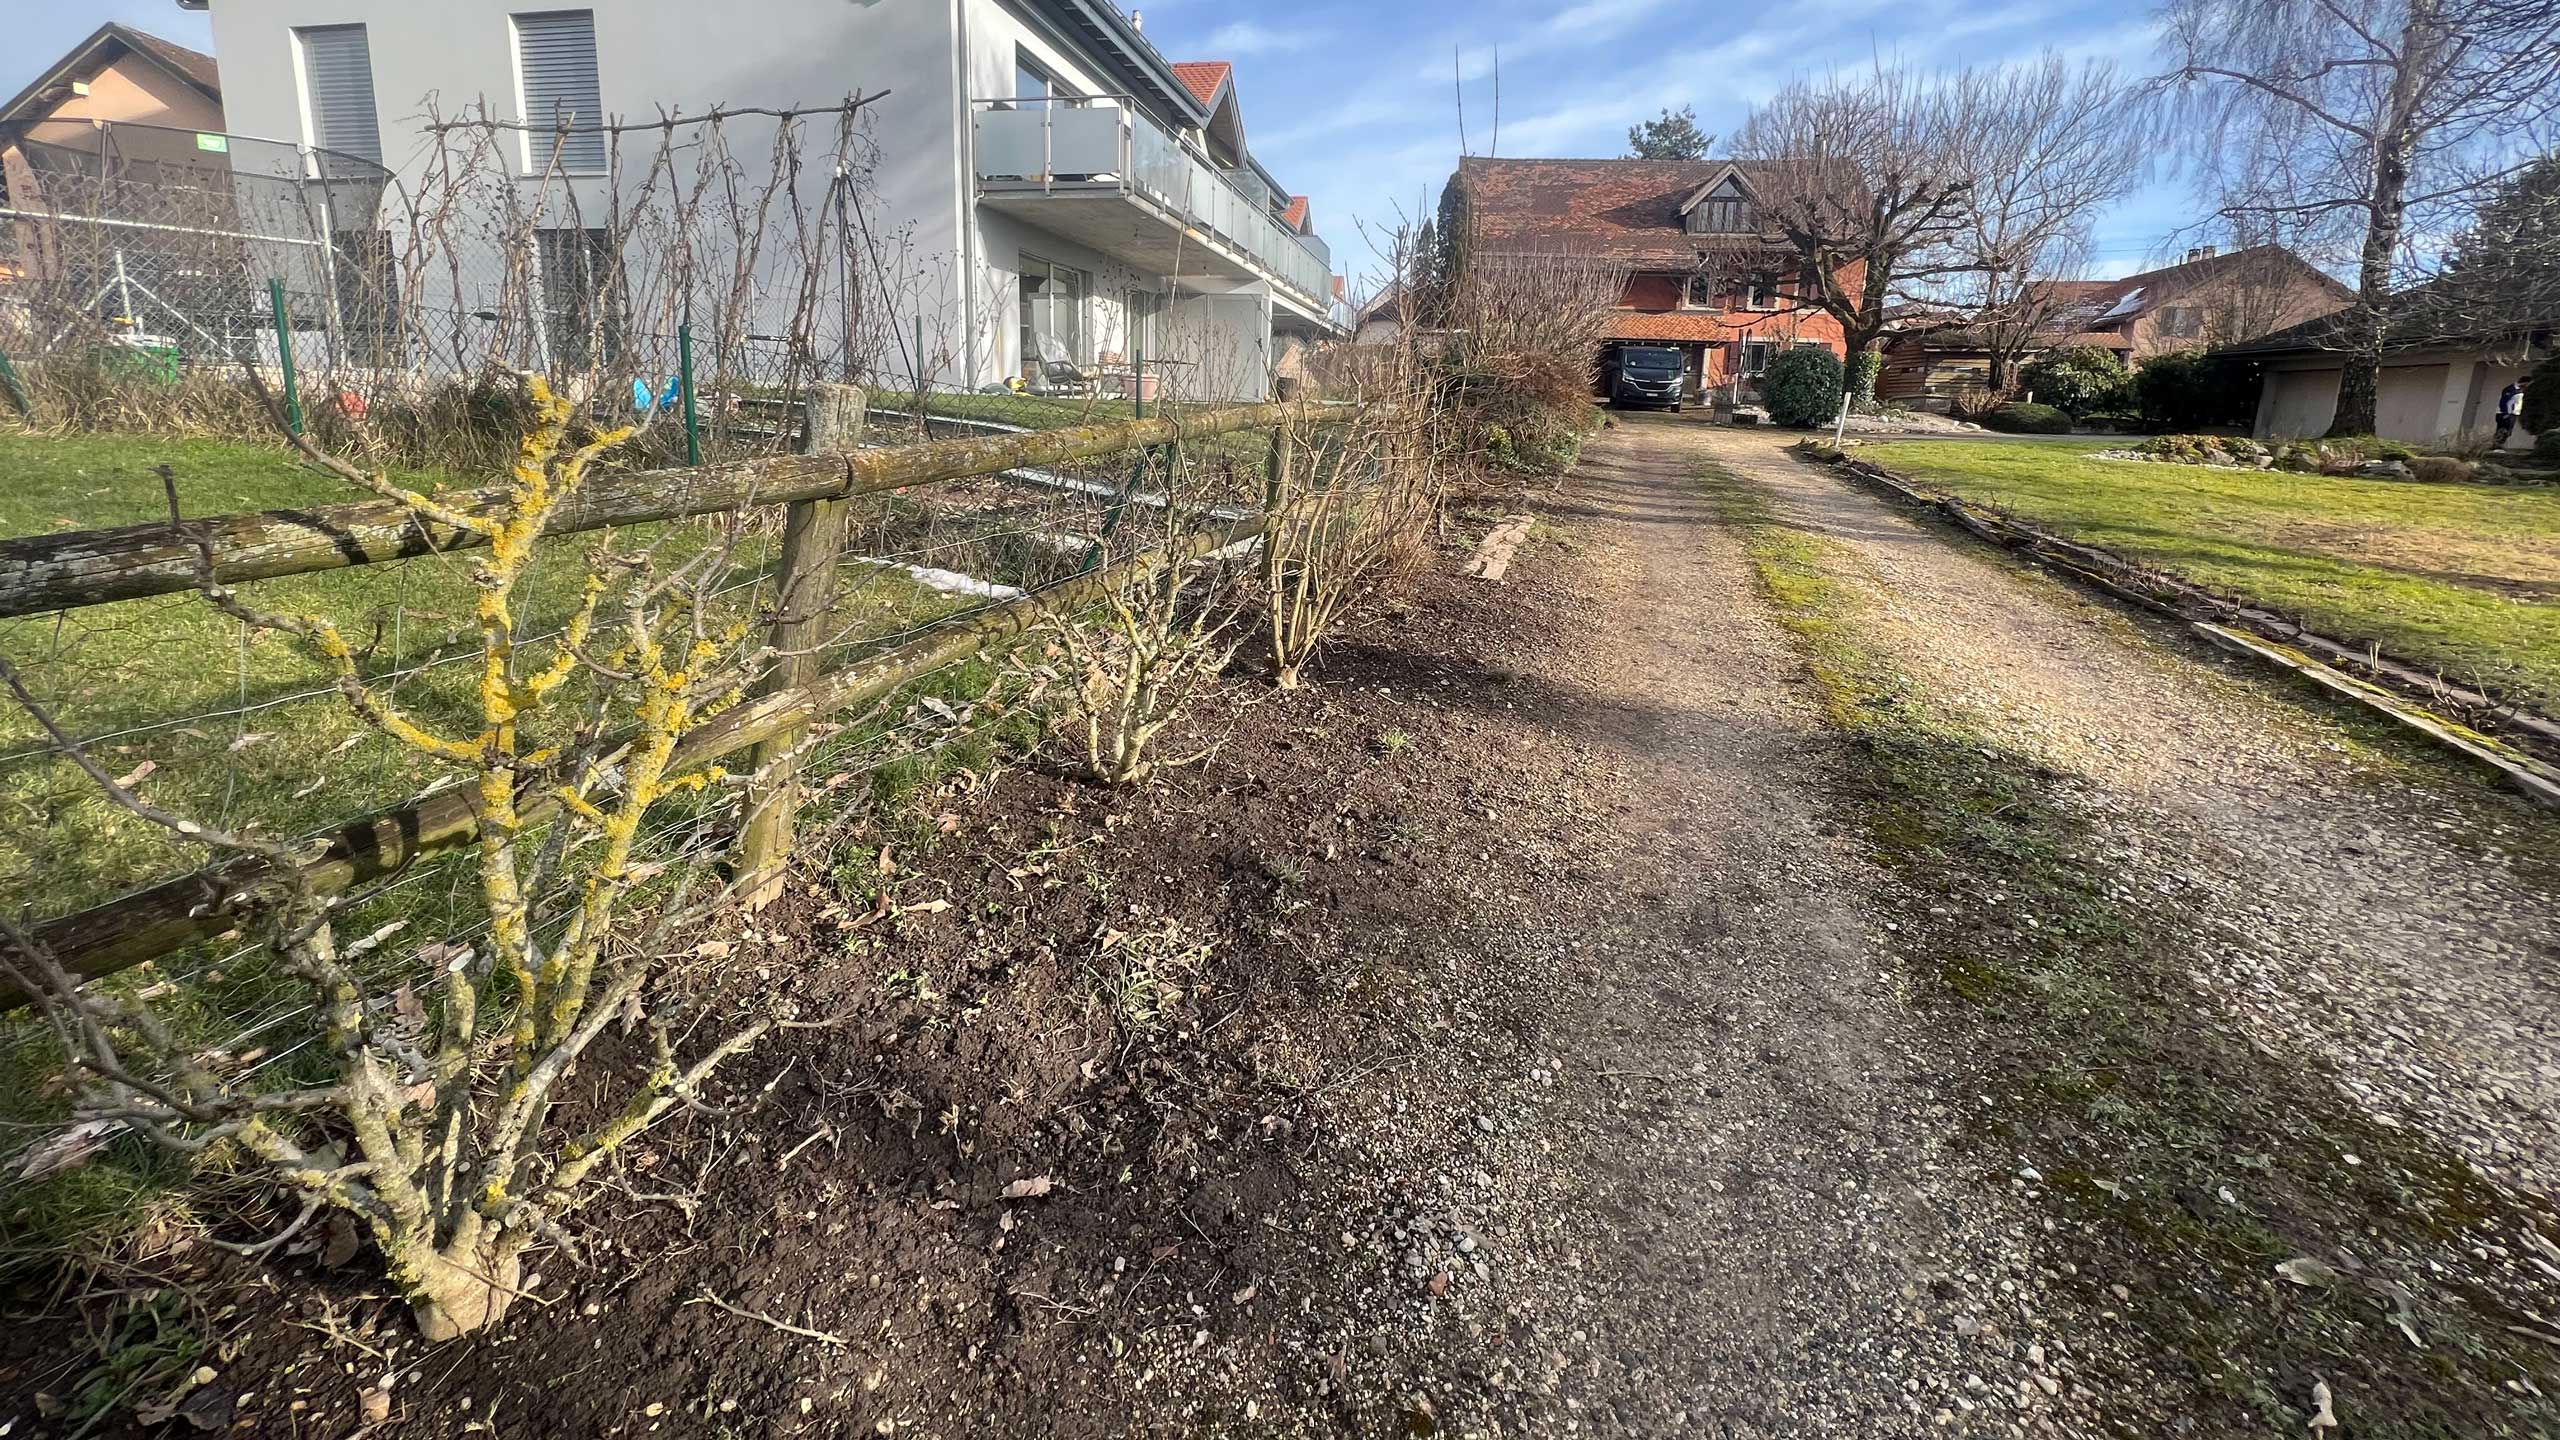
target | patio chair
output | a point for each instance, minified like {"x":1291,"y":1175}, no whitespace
{"x":1061,"y":375}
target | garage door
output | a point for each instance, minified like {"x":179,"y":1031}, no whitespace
{"x":2304,"y":400}
{"x":2411,"y":405}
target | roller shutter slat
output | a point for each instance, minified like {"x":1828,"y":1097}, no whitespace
{"x":337,"y":80}
{"x":556,"y":67}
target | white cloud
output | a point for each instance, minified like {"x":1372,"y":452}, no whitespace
{"x":1246,"y":37}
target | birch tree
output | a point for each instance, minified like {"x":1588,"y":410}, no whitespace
{"x":2381,"y":122}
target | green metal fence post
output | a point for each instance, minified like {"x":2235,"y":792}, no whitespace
{"x":284,"y":357}
{"x":684,"y":387}
{"x":15,"y":389}
{"x":920,"y":386}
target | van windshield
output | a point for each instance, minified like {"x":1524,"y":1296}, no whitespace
{"x":1650,"y":362}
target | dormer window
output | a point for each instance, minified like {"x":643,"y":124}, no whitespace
{"x":1725,"y":210}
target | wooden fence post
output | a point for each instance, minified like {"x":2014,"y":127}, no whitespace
{"x":813,"y":540}
{"x":1275,"y":474}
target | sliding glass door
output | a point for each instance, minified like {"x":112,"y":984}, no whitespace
{"x":1053,"y":311}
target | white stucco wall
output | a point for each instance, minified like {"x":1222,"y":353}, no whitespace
{"x":652,"y":56}
{"x":941,"y":257}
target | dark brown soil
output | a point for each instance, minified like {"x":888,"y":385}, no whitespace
{"x":1144,"y":1005}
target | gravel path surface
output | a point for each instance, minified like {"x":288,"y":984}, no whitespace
{"x":2382,"y":915}
{"x":1719,"y":1200}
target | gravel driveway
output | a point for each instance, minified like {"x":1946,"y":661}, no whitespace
{"x":1725,"y":1184}
{"x":2374,"y":913}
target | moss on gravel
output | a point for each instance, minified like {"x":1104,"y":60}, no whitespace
{"x":2068,"y":997}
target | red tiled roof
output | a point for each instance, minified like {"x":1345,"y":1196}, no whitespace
{"x":195,"y":65}
{"x":2148,"y":289}
{"x":1686,"y":324}
{"x":1620,"y":210}
{"x":1202,"y":78}
{"x":1295,"y":217}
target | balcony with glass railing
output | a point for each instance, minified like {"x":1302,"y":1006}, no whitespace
{"x":1098,"y":170}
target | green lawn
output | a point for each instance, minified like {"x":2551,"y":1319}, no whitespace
{"x":2463,"y":577}
{"x":162,"y":682}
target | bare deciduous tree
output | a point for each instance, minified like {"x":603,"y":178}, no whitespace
{"x":2378,"y":122}
{"x":1865,"y":180}
{"x":2045,"y":149}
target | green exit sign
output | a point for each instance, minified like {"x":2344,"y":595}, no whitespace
{"x":216,"y":143}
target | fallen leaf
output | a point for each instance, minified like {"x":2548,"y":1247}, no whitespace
{"x":375,"y":1404}
{"x":1165,"y":1252}
{"x":2304,"y":1270}
{"x":340,"y":1245}
{"x":1245,"y":1295}
{"x":1031,"y":1188}
{"x":254,"y":737}
{"x":136,"y":775}
{"x":2323,"y":1416}
{"x":950,"y":824}
{"x":713,"y":949}
{"x":930,"y":907}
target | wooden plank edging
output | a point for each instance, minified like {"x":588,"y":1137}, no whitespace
{"x":2244,"y":629}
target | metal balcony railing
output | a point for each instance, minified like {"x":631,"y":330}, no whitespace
{"x":1106,"y":141}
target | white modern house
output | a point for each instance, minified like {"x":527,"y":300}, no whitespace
{"x":1048,"y":184}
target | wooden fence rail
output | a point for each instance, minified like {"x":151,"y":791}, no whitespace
{"x":94,"y":567}
{"x":77,"y":568}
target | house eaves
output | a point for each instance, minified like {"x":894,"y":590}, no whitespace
{"x":189,"y":67}
{"x":1133,"y":63}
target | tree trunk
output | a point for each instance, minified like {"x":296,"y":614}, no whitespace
{"x":2369,"y":318}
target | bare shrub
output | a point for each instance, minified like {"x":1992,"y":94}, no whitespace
{"x":432,"y":1125}
{"x":1160,"y":639}
{"x":1359,"y":529}
{"x":1530,"y":324}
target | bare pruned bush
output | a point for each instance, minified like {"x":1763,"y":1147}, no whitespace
{"x":432,"y":1120}
{"x":1524,"y":326}
{"x":1358,"y":525}
{"x":1160,"y":639}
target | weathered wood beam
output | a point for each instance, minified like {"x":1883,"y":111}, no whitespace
{"x":93,"y":567}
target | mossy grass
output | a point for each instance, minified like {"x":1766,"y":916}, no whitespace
{"x":2102,"y":1067}
{"x":2465,"y":578}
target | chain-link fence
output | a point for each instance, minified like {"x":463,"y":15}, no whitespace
{"x":160,"y":278}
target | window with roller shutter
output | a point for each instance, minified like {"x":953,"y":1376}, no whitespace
{"x":556,"y":80}
{"x":337,"y":90}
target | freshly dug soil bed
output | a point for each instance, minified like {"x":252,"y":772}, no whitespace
{"x":1087,"y":1050}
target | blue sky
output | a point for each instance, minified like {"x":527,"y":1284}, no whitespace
{"x":1352,"y":101}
